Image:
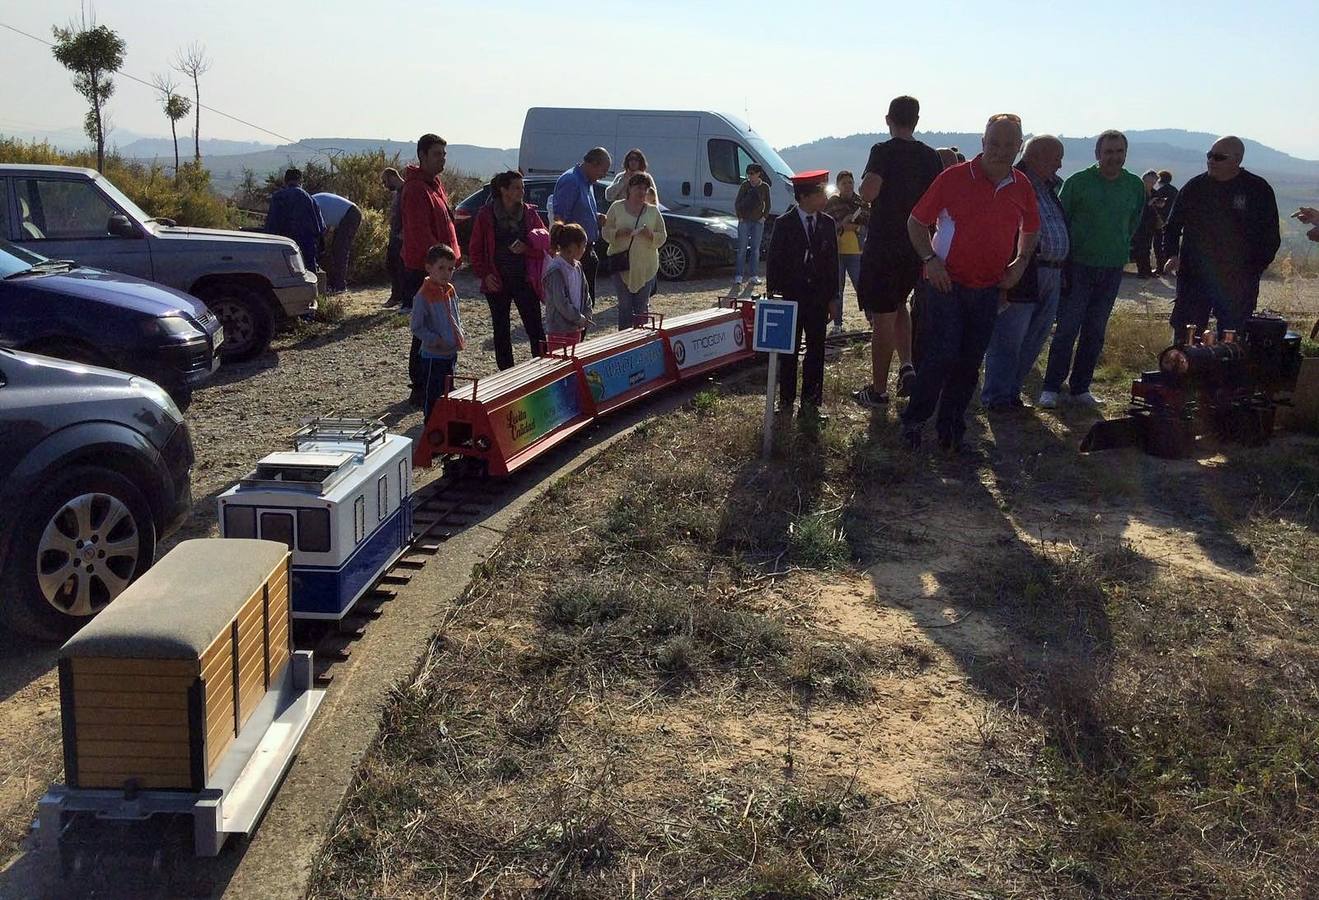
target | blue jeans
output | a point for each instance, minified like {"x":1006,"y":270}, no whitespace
{"x":955,"y":330}
{"x":748,"y":257}
{"x":632,"y":305}
{"x":848,"y":264}
{"x":1083,"y":312}
{"x":1019,"y":336}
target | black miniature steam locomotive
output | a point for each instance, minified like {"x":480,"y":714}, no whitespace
{"x":1229,"y":387}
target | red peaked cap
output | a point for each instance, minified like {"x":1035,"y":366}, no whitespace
{"x":810,"y":179}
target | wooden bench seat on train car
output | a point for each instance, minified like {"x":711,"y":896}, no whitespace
{"x":158,"y":685}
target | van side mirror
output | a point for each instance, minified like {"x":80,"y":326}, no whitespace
{"x":120,"y":226}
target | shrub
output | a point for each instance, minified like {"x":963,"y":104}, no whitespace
{"x":366,"y":258}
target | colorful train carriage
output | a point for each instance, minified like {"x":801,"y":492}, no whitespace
{"x":508,"y":419}
{"x":339,"y":500}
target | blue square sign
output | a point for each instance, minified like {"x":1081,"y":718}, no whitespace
{"x":776,"y":326}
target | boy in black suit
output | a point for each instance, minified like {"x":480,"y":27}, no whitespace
{"x":802,"y":265}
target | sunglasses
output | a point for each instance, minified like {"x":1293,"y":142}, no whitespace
{"x":1217,"y":157}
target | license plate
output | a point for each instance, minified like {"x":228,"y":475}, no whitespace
{"x":219,"y":337}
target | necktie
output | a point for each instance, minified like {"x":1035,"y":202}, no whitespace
{"x":810,"y":229}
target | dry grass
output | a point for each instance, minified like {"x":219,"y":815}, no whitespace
{"x":631,"y":698}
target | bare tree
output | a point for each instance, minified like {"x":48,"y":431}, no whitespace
{"x":92,"y":53}
{"x":176,"y":106}
{"x":193,"y":62}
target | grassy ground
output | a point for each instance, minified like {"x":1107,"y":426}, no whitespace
{"x":854,"y":671}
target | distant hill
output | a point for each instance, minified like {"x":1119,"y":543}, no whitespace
{"x":163,"y":148}
{"x":227,"y":171}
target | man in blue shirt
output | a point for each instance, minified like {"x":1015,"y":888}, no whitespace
{"x":342,"y":218}
{"x":574,"y":203}
{"x":295,"y":215}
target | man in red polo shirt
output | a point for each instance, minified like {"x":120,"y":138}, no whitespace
{"x":986,"y":224}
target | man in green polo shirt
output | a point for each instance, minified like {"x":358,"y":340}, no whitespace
{"x":1103,"y":205}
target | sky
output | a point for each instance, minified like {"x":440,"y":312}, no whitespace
{"x":469,"y":70}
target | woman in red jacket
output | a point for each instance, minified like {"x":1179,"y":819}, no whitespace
{"x":504,"y":257}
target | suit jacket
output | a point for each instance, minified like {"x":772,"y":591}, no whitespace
{"x":796,"y":271}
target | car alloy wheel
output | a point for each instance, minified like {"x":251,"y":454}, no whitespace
{"x":239,"y":326}
{"x":87,"y":554}
{"x":675,"y":262}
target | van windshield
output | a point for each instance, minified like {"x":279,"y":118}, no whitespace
{"x":769,"y":155}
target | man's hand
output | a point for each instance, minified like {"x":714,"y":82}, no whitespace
{"x":937,"y":275}
{"x":1013,"y":274}
{"x":518,"y":247}
{"x":489,"y":284}
{"x":600,"y":217}
{"x":1307,"y":214}
{"x":1172,"y":265}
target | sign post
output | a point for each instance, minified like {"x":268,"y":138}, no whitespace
{"x":775,"y":333}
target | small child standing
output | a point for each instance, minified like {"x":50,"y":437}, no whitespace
{"x":437,"y":324}
{"x":565,"y":288}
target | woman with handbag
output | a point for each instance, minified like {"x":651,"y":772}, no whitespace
{"x":635,"y":231}
{"x":509,"y":264}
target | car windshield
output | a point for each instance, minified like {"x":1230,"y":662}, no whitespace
{"x":14,"y":260}
{"x":122,"y":200}
{"x":769,"y":156}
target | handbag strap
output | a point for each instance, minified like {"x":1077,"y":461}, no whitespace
{"x":634,"y":228}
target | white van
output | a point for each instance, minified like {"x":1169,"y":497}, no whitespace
{"x":697,"y":158}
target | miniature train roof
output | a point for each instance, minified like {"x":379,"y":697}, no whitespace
{"x":177,"y":608}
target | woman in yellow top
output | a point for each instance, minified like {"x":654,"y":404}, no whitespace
{"x":634,"y":227}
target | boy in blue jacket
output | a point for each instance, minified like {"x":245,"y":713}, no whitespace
{"x":437,"y":324}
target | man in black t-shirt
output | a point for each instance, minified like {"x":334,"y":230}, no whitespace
{"x":1222,"y":234}
{"x":897,"y":174}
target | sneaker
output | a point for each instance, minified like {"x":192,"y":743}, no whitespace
{"x":1048,"y":400}
{"x":755,"y":279}
{"x":737,"y":280}
{"x":906,"y":378}
{"x":868,"y":396}
{"x":836,"y":328}
{"x":1087,"y":399}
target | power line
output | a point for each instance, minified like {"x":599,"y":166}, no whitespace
{"x":131,"y":77}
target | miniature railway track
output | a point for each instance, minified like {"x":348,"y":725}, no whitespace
{"x":441,"y":509}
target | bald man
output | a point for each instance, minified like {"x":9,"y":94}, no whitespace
{"x":1024,"y":324}
{"x":1222,"y":234}
{"x":986,"y":222}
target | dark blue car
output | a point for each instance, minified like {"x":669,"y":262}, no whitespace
{"x":60,"y":309}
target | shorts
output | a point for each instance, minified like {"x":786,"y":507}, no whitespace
{"x":887,"y":280}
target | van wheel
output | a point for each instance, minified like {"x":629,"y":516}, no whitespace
{"x":87,"y":535}
{"x":245,"y":316}
{"x":677,"y":260}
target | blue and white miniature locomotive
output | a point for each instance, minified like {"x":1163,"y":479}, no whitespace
{"x":340,"y":501}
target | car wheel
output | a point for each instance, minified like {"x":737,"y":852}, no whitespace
{"x":246,"y":319}
{"x":677,"y":260}
{"x":84,"y":539}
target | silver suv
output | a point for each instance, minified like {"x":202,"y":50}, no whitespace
{"x":250,"y":281}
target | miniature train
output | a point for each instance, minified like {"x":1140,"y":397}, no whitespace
{"x":508,"y":419}
{"x":183,"y":697}
{"x":339,"y":500}
{"x":1230,"y":388}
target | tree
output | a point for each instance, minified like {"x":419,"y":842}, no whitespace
{"x":193,"y":62}
{"x":92,"y":53}
{"x":176,"y":107}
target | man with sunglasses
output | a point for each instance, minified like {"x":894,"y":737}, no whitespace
{"x":1222,"y":233}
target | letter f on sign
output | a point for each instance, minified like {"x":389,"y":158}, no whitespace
{"x":766,"y":322}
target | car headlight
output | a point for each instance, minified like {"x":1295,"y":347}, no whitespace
{"x":175,"y":327}
{"x":157,"y":395}
{"x":724,"y":228}
{"x":294,"y":259}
